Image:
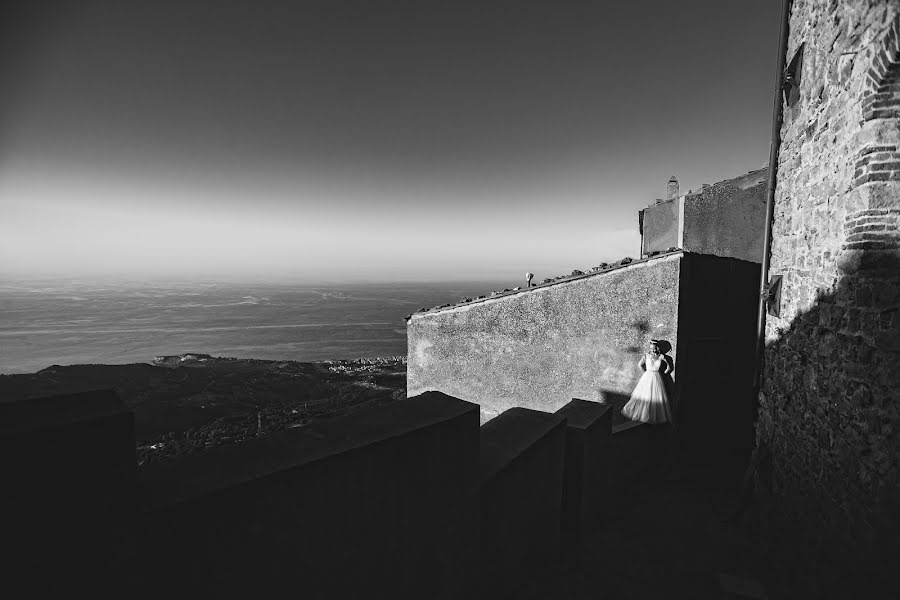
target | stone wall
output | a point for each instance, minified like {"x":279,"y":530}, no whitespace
{"x":727,"y":218}
{"x":405,"y":500}
{"x":724,"y":219}
{"x":659,"y":226}
{"x":830,"y":407}
{"x":522,"y":463}
{"x":540,"y":348}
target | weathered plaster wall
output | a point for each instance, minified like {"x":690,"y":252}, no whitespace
{"x":659,"y":227}
{"x":541,"y":348}
{"x":830,"y":408}
{"x":727,"y":218}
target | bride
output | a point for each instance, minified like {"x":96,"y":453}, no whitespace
{"x":649,"y":402}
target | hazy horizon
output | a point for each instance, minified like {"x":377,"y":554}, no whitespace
{"x":364,"y":141}
{"x":125,"y":280}
{"x":110,"y":322}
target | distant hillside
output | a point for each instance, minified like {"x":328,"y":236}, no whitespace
{"x":185,"y":403}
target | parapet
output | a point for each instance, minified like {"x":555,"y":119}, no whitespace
{"x":576,"y":275}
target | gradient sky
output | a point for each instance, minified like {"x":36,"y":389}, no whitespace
{"x":364,"y":139}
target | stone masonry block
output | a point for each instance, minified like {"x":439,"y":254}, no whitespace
{"x":586,"y":483}
{"x":68,"y":468}
{"x":522,"y":461}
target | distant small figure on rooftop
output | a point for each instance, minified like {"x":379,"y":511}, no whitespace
{"x":528,"y":278}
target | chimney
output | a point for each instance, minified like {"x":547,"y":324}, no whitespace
{"x":672,"y":188}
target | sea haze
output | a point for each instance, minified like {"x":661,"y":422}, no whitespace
{"x":46,"y":323}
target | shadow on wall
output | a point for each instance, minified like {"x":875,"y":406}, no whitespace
{"x":642,"y":327}
{"x":665,"y":346}
{"x":829,"y":415}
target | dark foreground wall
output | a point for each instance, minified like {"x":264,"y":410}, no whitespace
{"x":67,"y":469}
{"x":383,"y":502}
{"x":407,"y":500}
{"x":588,"y":471}
{"x":522,"y":463}
{"x":717,"y":339}
{"x":542,"y":347}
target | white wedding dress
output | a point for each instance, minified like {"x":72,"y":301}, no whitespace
{"x":649,"y":402}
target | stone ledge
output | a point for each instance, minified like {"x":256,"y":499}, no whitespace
{"x":229,"y":466}
{"x":543,"y":286}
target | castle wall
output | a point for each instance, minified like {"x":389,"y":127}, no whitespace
{"x":830,"y":408}
{"x":542,"y":347}
{"x":659,"y":227}
{"x":727,"y":218}
{"x":67,"y":473}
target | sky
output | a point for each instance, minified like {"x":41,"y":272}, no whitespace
{"x":364,"y":139}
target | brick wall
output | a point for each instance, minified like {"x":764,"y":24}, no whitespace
{"x":830,"y":407}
